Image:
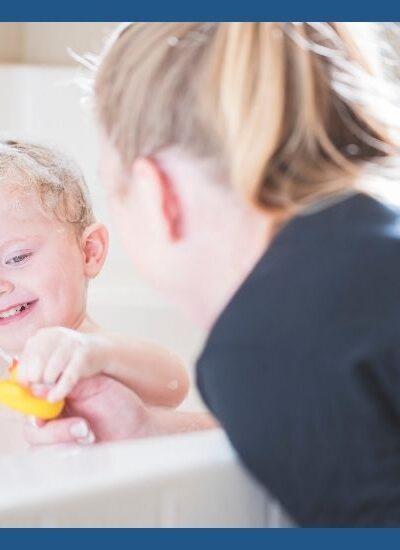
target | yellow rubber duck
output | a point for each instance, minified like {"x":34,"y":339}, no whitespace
{"x":20,"y":399}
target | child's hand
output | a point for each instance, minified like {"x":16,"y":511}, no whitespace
{"x":59,"y":358}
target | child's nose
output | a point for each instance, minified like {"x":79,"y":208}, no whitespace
{"x":6,"y":287}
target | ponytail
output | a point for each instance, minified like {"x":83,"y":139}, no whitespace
{"x":278,"y":105}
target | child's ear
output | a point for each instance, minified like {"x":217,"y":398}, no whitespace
{"x":94,"y":248}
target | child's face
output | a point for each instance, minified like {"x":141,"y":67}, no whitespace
{"x":42,"y":279}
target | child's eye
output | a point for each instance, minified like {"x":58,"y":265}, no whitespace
{"x":18,"y":259}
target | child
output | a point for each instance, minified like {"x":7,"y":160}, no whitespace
{"x":50,"y":248}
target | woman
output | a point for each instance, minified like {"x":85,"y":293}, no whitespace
{"x":235,"y":156}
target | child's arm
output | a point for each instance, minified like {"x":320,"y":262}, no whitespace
{"x":155,"y":374}
{"x":61,"y":357}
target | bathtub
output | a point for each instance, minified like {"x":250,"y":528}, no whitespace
{"x":191,"y":480}
{"x":188,"y":480}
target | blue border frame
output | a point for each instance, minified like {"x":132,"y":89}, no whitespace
{"x":204,"y":10}
{"x":193,"y":539}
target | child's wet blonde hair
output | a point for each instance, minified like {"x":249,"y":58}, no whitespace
{"x":55,"y":179}
{"x":283,"y":107}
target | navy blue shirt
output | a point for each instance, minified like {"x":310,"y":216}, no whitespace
{"x":303,"y":366}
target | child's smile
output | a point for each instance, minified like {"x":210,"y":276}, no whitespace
{"x":16,"y":312}
{"x":42,"y":280}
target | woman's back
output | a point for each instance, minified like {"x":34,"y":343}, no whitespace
{"x":302,"y":368}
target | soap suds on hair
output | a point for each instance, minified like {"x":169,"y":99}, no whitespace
{"x":58,"y":183}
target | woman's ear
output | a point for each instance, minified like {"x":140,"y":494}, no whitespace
{"x":158,"y":191}
{"x":94,"y":242}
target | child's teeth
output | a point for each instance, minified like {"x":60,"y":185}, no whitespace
{"x":13,"y":311}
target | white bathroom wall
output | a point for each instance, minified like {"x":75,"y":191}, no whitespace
{"x":11,"y":42}
{"x":48,"y":43}
{"x":44,"y":103}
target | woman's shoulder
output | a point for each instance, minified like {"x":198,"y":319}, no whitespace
{"x":305,"y":360}
{"x":354,"y":215}
{"x":327,"y":272}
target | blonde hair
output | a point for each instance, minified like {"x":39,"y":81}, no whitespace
{"x":264,"y":99}
{"x":55,"y":179}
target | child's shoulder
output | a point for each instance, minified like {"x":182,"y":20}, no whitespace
{"x":88,"y":326}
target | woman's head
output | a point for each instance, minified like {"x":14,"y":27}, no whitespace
{"x":262,"y":103}
{"x":50,"y":245}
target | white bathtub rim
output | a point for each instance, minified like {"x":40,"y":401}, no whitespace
{"x":142,"y":461}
